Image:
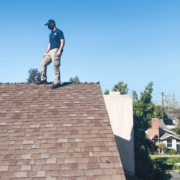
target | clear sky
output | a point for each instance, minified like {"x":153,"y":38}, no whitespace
{"x":135,"y":41}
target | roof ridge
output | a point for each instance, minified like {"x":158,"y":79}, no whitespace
{"x":52,"y":83}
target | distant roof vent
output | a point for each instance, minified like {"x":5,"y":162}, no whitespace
{"x":114,"y":93}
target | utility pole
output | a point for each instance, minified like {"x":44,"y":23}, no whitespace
{"x":163,"y":97}
{"x":162,"y":106}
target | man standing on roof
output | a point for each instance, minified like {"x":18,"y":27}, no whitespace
{"x":53,"y":54}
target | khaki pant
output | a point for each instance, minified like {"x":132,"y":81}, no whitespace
{"x":51,"y":57}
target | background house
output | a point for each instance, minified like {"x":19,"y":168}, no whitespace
{"x":166,"y":136}
{"x":172,"y":121}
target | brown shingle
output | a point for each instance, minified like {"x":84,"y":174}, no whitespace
{"x":59,"y":134}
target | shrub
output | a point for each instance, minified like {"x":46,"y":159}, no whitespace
{"x":161,"y":145}
{"x":171,"y":152}
{"x":34,"y":76}
{"x":75,"y":79}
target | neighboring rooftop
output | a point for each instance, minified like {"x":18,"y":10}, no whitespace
{"x":168,"y":131}
{"x":162,"y":125}
{"x":169,"y":134}
{"x":59,"y":134}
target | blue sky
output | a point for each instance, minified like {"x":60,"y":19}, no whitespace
{"x":134,"y":41}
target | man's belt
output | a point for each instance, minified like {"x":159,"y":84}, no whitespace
{"x":53,"y":47}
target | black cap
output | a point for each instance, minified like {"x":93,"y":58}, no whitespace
{"x":50,"y":21}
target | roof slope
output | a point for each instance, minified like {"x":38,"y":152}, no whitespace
{"x":162,"y":125}
{"x":168,"y":131}
{"x":167,"y":134}
{"x":59,"y":134}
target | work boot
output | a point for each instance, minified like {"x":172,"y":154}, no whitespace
{"x":55,"y":86}
{"x":42,"y":82}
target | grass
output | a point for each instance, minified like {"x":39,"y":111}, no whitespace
{"x":166,"y":159}
{"x":171,"y":161}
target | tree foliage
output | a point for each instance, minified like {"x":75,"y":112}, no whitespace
{"x":34,"y":76}
{"x":176,"y":130}
{"x":161,"y":145}
{"x":121,"y":87}
{"x":106,"y":91}
{"x":160,"y":170}
{"x":158,"y":112}
{"x":143,"y":110}
{"x":75,"y":79}
{"x":171,"y":104}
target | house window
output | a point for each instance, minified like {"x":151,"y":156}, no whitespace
{"x":169,"y":142}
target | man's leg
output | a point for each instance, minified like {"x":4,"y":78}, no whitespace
{"x":56,"y":70}
{"x":56,"y":64}
{"x":46,"y":61}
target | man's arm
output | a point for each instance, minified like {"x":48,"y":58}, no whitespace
{"x":47,"y":50}
{"x":61,"y":47}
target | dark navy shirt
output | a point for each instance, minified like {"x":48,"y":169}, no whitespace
{"x":55,"y":37}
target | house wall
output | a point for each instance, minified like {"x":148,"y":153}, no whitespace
{"x":120,"y":110}
{"x":165,"y":142}
{"x":174,"y":146}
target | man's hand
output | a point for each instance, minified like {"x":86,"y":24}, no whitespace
{"x":48,"y":49}
{"x":60,"y":48}
{"x":44,"y":55}
{"x":58,"y":53}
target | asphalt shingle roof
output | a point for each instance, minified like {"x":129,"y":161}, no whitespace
{"x":162,"y":125}
{"x":59,"y":134}
{"x":167,"y":134}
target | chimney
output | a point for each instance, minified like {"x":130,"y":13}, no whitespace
{"x":120,"y":111}
{"x":154,"y":130}
{"x":114,"y":93}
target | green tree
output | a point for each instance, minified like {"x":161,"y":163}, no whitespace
{"x":34,"y":76}
{"x":143,"y":110}
{"x":75,"y":79}
{"x":121,"y":87}
{"x":161,"y":146}
{"x":158,"y":112}
{"x":106,"y":91}
{"x":176,"y":130}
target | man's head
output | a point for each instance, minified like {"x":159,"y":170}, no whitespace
{"x":51,"y":24}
